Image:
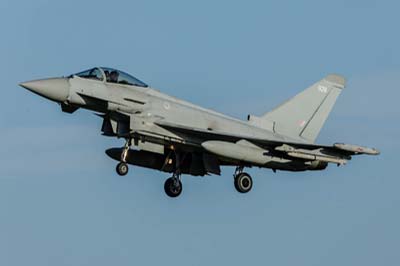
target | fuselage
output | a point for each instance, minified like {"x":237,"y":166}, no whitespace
{"x":153,"y":105}
{"x":176,"y":136}
{"x":132,"y":108}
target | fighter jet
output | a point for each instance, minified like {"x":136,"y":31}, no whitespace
{"x":165,"y":133}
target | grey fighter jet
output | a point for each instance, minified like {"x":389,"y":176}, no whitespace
{"x":174,"y":136}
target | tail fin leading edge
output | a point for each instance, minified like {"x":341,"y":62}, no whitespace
{"x":305,"y":114}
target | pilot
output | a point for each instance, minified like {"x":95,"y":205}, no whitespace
{"x":107,"y":75}
{"x":114,"y":76}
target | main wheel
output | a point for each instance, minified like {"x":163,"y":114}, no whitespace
{"x":173,"y":187}
{"x":243,"y":183}
{"x":122,"y":169}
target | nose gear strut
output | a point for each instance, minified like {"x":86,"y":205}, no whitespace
{"x":122,"y":168}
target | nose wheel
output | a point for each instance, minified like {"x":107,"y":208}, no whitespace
{"x":243,"y":181}
{"x":122,"y":169}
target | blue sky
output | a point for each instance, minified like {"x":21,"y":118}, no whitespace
{"x":61,"y":202}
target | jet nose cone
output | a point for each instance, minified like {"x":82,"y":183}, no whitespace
{"x":56,"y":89}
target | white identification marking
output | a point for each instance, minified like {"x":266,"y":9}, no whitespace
{"x":323,"y":89}
{"x":167,"y":106}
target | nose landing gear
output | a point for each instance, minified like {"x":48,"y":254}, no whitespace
{"x":122,"y":168}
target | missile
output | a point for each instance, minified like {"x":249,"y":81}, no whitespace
{"x":356,"y":149}
{"x":314,"y":157}
{"x":241,"y":151}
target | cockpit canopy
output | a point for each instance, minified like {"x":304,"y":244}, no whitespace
{"x":112,"y":76}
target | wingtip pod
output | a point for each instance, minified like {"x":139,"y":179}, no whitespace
{"x":357,"y":149}
{"x":336,"y":79}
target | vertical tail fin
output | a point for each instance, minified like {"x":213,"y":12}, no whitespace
{"x":305,"y":114}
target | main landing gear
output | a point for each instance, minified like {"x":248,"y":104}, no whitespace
{"x":243,"y":181}
{"x":173,"y":185}
{"x":122,"y":168}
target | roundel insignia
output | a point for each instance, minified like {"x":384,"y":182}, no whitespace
{"x":167,"y":106}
